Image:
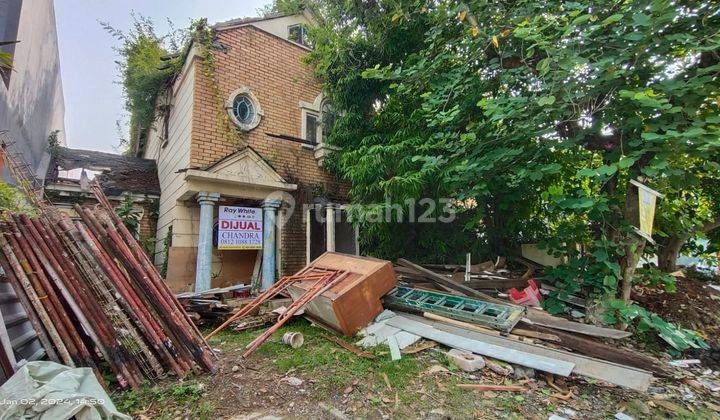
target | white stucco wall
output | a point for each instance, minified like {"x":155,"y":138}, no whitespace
{"x":279,"y":26}
{"x":175,"y":155}
{"x":32,"y":106}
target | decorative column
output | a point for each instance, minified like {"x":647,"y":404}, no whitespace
{"x":270,"y":208}
{"x":203,"y":265}
{"x":330,"y":228}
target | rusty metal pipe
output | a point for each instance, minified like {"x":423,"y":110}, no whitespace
{"x":320,"y":287}
{"x":42,"y":285}
{"x":153,"y":331}
{"x":27,"y":305}
{"x":188,"y":340}
{"x":141,"y":299}
{"x":91,"y":268}
{"x":178,"y":344}
{"x":92,"y":320}
{"x":20,"y":274}
{"x":132,"y":305}
{"x":147,"y":264}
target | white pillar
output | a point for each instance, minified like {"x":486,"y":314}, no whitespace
{"x":203,"y":264}
{"x":330,"y":227}
{"x":270,"y":208}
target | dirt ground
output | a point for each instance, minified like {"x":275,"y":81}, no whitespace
{"x":322,"y":380}
{"x":695,"y":306}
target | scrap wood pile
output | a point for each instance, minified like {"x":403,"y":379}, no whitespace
{"x":213,"y":305}
{"x":464,"y":318}
{"x":347,"y":300}
{"x":320,"y":280}
{"x":488,"y":275}
{"x":338,"y":291}
{"x":92,"y":294}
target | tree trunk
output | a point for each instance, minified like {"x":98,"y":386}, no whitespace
{"x":633,"y":251}
{"x":634,"y":243}
{"x":668,"y":253}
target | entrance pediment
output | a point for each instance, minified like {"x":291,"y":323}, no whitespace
{"x":246,"y":166}
{"x":243,"y":174}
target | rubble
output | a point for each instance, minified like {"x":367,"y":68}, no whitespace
{"x":465,"y":360}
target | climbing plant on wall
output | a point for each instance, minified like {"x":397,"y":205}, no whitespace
{"x":147,"y":64}
{"x":204,"y":38}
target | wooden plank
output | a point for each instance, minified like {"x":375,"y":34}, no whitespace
{"x":537,"y":317}
{"x":394,"y":348}
{"x":446,"y":282}
{"x":603,"y":351}
{"x":212,"y":292}
{"x":546,"y":364}
{"x":503,"y":283}
{"x":515,"y":332}
{"x":617,"y":374}
{"x":535,"y":334}
{"x":462,"y":324}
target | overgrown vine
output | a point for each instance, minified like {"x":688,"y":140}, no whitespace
{"x":204,"y":37}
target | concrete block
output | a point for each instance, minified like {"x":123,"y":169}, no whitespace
{"x":522,"y":372}
{"x":469,"y":362}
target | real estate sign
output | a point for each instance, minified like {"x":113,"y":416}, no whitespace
{"x":239,"y":228}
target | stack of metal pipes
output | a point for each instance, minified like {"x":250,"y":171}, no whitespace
{"x":92,"y":295}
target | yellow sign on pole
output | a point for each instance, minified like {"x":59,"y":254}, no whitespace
{"x":647,"y":198}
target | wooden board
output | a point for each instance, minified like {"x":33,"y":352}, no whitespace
{"x":446,"y":282}
{"x":458,"y":341}
{"x":617,"y":374}
{"x":354,"y":302}
{"x":537,"y":317}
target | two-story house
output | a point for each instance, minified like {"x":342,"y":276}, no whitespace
{"x":243,"y":126}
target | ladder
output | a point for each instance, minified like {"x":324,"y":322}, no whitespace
{"x":21,"y":171}
{"x":492,"y":315}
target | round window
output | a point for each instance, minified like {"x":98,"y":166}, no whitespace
{"x":244,"y":109}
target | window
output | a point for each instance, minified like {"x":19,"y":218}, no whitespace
{"x":317,"y":120}
{"x":244,"y":109}
{"x":329,"y":116}
{"x":298,"y":33}
{"x":311,"y":127}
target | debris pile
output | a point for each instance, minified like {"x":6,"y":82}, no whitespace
{"x":343,"y":299}
{"x":92,"y":294}
{"x":470,"y":321}
{"x":212,"y":305}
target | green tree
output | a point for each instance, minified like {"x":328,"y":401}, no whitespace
{"x":534,"y":114}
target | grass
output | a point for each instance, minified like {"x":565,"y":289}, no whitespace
{"x":329,"y":365}
{"x":166,"y":400}
{"x":332,"y":369}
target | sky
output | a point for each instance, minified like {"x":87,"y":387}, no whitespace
{"x":93,"y":97}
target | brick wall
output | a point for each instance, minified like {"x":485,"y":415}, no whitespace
{"x":148,"y":227}
{"x":271,"y":67}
